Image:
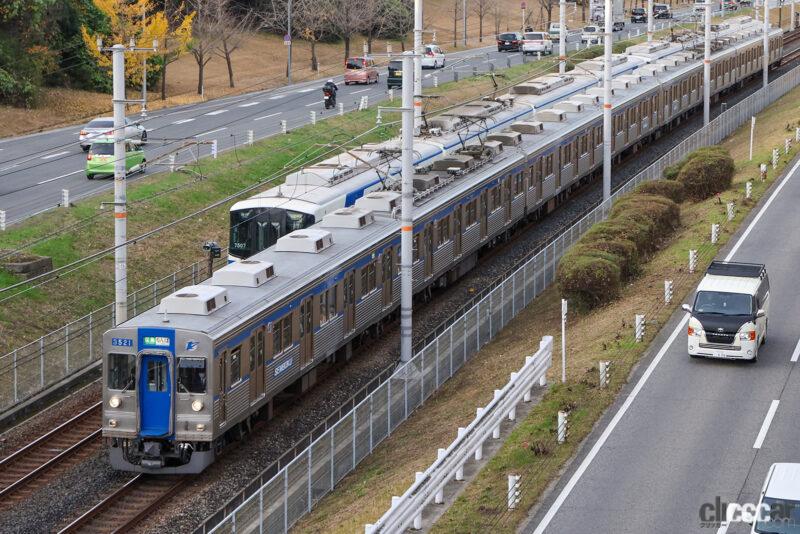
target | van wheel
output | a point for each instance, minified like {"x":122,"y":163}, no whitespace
{"x":90,"y":176}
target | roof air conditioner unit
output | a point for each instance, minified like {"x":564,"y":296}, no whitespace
{"x":245,"y":273}
{"x":195,"y":300}
{"x":309,"y":240}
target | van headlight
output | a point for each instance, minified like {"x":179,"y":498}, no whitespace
{"x":197,"y":405}
{"x":114,"y":402}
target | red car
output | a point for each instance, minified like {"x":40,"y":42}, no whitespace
{"x":360,"y":70}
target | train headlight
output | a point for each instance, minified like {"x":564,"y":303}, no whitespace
{"x":197,"y":405}
{"x":200,"y":427}
{"x":114,"y":401}
{"x":112,"y":423}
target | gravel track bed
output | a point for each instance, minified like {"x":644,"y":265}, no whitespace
{"x":84,"y":485}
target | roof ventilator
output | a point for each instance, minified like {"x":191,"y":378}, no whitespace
{"x":194,"y":300}
{"x":245,"y":273}
{"x":308,"y":240}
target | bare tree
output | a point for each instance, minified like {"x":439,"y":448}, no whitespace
{"x":456,"y":18}
{"x":174,"y":41}
{"x":205,"y":36}
{"x":481,"y":9}
{"x":399,"y":20}
{"x":547,"y":7}
{"x":497,"y":12}
{"x":233,"y":29}
{"x":345,"y":19}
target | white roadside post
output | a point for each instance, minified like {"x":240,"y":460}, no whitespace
{"x":748,"y":189}
{"x":283,"y":126}
{"x":563,"y":341}
{"x":171,"y":160}
{"x":513,"y":491}
{"x":562,"y":36}
{"x":313,"y":115}
{"x":341,"y":108}
{"x":752,"y":132}
{"x":668,"y":291}
{"x":797,"y":135}
{"x":775,"y":158}
{"x":479,"y":448}
{"x":607,"y":103}
{"x":65,"y":198}
{"x":418,"y":518}
{"x":439,"y":497}
{"x":603,"y":367}
{"x":731,"y":210}
{"x":214,"y":148}
{"x":763,"y":170}
{"x":692,"y":261}
{"x":787,"y":144}
{"x":561,"y":431}
{"x":714,"y":233}
{"x":250,"y":137}
{"x":639,"y":327}
{"x":3,"y":220}
{"x":707,"y":66}
{"x":407,"y":199}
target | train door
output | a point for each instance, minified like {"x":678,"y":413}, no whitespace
{"x":349,"y":290}
{"x":427,"y":236}
{"x":388,"y":281}
{"x":457,"y":213}
{"x":222,"y":382}
{"x":261,"y":347}
{"x":155,"y":396}
{"x":484,"y":209}
{"x":306,"y":331}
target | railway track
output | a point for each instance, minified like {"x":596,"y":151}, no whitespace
{"x":43,"y":459}
{"x":128,"y":506}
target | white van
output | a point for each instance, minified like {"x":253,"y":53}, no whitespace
{"x":778,"y":507}
{"x":729,"y":315}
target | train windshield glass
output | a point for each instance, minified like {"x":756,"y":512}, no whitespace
{"x":122,"y":371}
{"x":191,"y":375}
{"x":254,"y":229}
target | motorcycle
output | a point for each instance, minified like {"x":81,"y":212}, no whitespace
{"x":330,"y":98}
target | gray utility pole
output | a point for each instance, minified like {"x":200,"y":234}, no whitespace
{"x":120,"y":199}
{"x":765,"y":66}
{"x":288,"y":40}
{"x":464,"y":13}
{"x":406,"y":208}
{"x":144,"y":78}
{"x":707,"y":66}
{"x":650,"y":22}
{"x":562,"y":36}
{"x":418,"y":51}
{"x":607,"y":103}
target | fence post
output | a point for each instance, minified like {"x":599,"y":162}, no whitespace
{"x":65,"y":198}
{"x":418,"y":518}
{"x":513,"y":491}
{"x":667,"y":291}
{"x":479,"y":448}
{"x":714,"y":233}
{"x":250,"y":137}
{"x":797,"y":134}
{"x":439,"y":497}
{"x":731,"y":207}
{"x":639,"y":326}
{"x":748,"y":189}
{"x":41,"y":361}
{"x":561,"y":431}
{"x":787,"y":144}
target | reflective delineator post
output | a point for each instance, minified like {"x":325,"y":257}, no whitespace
{"x":214,"y":148}
{"x":748,"y":190}
{"x":603,"y":367}
{"x":787,"y":144}
{"x":283,"y":126}
{"x":692,"y":261}
{"x":707,"y":66}
{"x":667,"y":291}
{"x":607,"y":102}
{"x":513,"y":491}
{"x":313,"y":115}
{"x":639,"y":326}
{"x":561,"y":431}
{"x":731,"y":210}
{"x":714,"y":233}
{"x":250,"y":137}
{"x":406,"y":208}
{"x":775,"y":156}
{"x":65,"y":198}
{"x":171,"y":160}
{"x":341,"y":108}
{"x":3,"y":220}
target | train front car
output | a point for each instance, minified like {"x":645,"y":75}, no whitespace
{"x":157,"y":409}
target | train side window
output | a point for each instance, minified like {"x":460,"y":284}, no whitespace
{"x":191,"y":375}
{"x":260,"y":346}
{"x":122,"y":371}
{"x":281,"y":335}
{"x":251,"y":353}
{"x":323,"y":307}
{"x":548,"y":165}
{"x":332,"y":302}
{"x":368,"y":278}
{"x":156,"y":375}
{"x":236,"y":365}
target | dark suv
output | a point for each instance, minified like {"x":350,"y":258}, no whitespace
{"x":638,"y":14}
{"x":509,"y":42}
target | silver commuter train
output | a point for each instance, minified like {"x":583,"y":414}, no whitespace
{"x":177,"y":380}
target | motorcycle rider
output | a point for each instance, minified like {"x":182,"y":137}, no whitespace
{"x":330,"y":89}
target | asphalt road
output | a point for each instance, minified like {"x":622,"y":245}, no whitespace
{"x":686,"y":432}
{"x":35,"y":168}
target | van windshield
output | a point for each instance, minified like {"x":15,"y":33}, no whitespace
{"x":721,"y":303}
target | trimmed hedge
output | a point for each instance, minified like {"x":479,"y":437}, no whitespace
{"x":706,"y":175}
{"x":666,"y":188}
{"x":671,"y":172}
{"x":588,"y":280}
{"x":660,"y":213}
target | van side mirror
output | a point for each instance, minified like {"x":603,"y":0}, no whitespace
{"x":760,"y":313}
{"x":686,"y":308}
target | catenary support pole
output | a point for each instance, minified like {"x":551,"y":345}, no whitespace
{"x":464,"y":14}
{"x":406,"y":208}
{"x":562,"y":36}
{"x":649,"y":20}
{"x":120,"y":207}
{"x":417,"y":65}
{"x":765,"y":63}
{"x":607,"y":102}
{"x":289,"y":45}
{"x":707,"y":66}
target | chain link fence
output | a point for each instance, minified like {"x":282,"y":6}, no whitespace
{"x":34,"y":367}
{"x":277,"y":505}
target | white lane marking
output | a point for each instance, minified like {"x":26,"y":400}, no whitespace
{"x":360,"y":91}
{"x":9,"y":167}
{"x":723,"y":528}
{"x":183,"y":121}
{"x":49,"y":156}
{"x":773,"y":407}
{"x":276,"y":97}
{"x":314,"y":104}
{"x":212,"y":131}
{"x":217,"y":112}
{"x":267,"y":116}
{"x":307,"y":90}
{"x":573,"y":481}
{"x":609,"y":429}
{"x":59,"y":177}
{"x":249,"y":104}
{"x":513,"y":55}
{"x":796,"y":353}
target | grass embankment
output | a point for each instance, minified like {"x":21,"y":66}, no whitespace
{"x":604,"y":334}
{"x":159,"y":199}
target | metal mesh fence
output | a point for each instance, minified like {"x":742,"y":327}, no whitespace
{"x":391,"y":403}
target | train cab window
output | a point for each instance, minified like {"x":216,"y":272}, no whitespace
{"x":122,"y":371}
{"x":236,"y":365}
{"x":191,"y":375}
{"x":156,"y":375}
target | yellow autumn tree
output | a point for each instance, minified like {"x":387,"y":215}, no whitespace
{"x":173,"y":32}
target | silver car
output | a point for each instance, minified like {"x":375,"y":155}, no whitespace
{"x":104,"y":127}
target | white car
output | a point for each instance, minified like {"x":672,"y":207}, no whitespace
{"x":778,"y":509}
{"x":103,"y":127}
{"x":592,"y":35}
{"x":434,"y":57}
{"x":533,"y":42}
